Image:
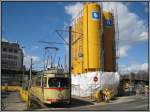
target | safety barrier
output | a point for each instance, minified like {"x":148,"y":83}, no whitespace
{"x":10,"y":88}
{"x":23,"y":93}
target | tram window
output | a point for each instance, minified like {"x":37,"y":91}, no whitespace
{"x":38,"y":81}
{"x":33,"y":82}
{"x":58,"y":82}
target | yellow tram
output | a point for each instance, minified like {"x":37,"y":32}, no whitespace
{"x":51,"y":86}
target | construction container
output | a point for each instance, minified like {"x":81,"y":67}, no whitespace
{"x":91,"y":37}
{"x":109,"y":42}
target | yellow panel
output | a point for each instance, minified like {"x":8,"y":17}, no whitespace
{"x":91,"y":37}
{"x":86,"y":50}
{"x":77,"y":46}
{"x":109,"y":46}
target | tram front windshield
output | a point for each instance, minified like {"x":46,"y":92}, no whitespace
{"x":58,"y":82}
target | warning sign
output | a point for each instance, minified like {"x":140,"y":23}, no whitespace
{"x":95,"y":79}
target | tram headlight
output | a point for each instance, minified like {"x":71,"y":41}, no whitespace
{"x":60,"y":96}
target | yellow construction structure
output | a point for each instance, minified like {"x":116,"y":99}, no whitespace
{"x":91,"y":37}
{"x":93,"y":34}
{"x":86,"y":40}
{"x":109,"y":42}
{"x":77,"y":45}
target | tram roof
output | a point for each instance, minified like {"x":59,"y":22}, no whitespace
{"x":53,"y":72}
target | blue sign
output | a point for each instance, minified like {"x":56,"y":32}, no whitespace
{"x":95,"y":15}
{"x":108,"y":23}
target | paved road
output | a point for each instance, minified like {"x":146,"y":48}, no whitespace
{"x":121,"y":103}
{"x":128,"y":103}
{"x":12,"y":101}
{"x":75,"y":102}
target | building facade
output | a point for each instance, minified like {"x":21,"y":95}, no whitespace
{"x":11,"y":57}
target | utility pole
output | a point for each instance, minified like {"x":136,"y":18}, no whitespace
{"x":70,"y":59}
{"x":29,"y":86}
{"x":23,"y":77}
{"x":23,"y":69}
{"x":65,"y":65}
{"x":31,"y":71}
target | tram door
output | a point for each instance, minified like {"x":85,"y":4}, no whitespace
{"x":39,"y":87}
{"x":44,"y":84}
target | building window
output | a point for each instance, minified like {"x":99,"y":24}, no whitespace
{"x":15,"y":57}
{"x":4,"y":62}
{"x":10,"y":50}
{"x":5,"y":49}
{"x":15,"y":51}
{"x":4,"y":56}
{"x":10,"y":57}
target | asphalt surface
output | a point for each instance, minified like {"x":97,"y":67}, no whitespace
{"x":128,"y":103}
{"x":121,"y":103}
{"x":75,"y":102}
{"x":12,"y":101}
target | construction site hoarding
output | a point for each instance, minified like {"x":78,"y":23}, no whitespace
{"x":83,"y":85}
